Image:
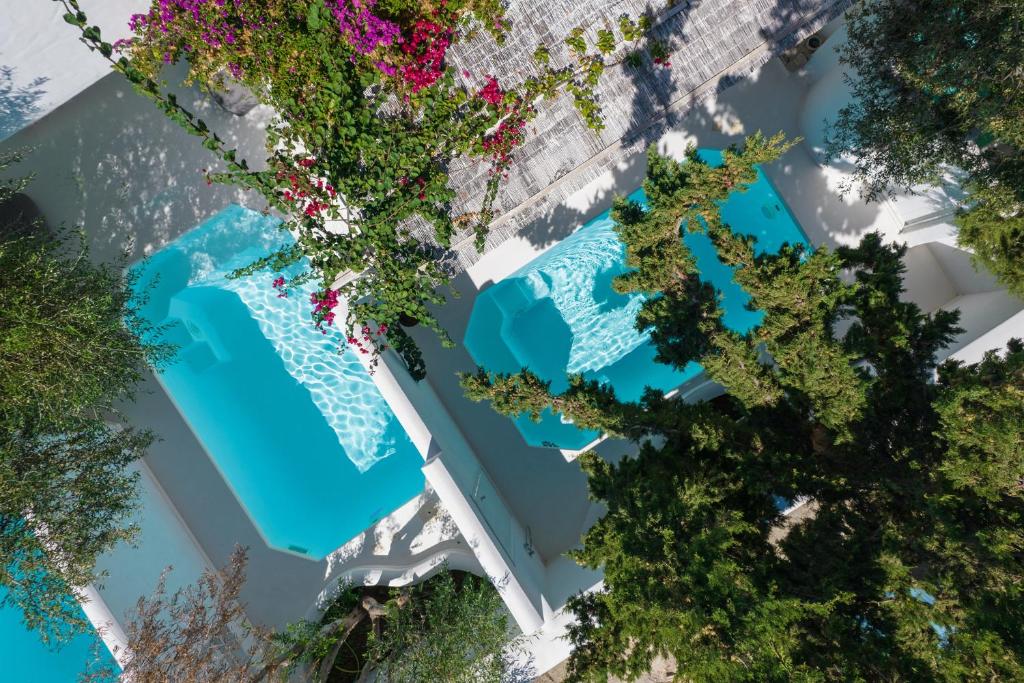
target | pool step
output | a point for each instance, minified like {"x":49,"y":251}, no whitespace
{"x":512,"y":296}
{"x":192,"y":324}
{"x":198,"y":356}
{"x":191,"y":348}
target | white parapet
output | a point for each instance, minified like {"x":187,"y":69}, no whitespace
{"x":484,"y":519}
{"x":506,"y":579}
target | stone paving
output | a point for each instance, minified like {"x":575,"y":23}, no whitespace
{"x":713,"y":44}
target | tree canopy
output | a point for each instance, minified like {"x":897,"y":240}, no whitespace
{"x":905,"y":560}
{"x":70,"y":348}
{"x":938,"y":84}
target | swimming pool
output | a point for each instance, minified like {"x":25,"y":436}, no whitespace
{"x":299,"y":432}
{"x":558,"y":314}
{"x":28,"y":659}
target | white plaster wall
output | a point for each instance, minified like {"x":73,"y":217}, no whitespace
{"x":959,"y":268}
{"x":926,"y":203}
{"x":827,"y":94}
{"x":43,"y":62}
{"x":111,"y":162}
{"x":925,"y":282}
{"x":981,"y":313}
{"x":995,"y":338}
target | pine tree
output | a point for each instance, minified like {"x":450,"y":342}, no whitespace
{"x":906,"y":563}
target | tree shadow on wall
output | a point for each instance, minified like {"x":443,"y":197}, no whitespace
{"x":19,"y":104}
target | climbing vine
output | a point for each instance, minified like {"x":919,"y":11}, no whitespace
{"x":369,"y":118}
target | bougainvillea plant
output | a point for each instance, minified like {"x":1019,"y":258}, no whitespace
{"x":370,"y":116}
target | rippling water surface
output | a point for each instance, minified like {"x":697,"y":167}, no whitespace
{"x":299,"y":431}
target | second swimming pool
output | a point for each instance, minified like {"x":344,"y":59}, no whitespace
{"x":559,"y":315}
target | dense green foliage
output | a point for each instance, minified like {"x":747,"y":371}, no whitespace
{"x":457,"y":633}
{"x":906,"y":562}
{"x":982,"y":413}
{"x":69,"y":350}
{"x":369,"y":120}
{"x":938,"y":84}
{"x":452,"y":628}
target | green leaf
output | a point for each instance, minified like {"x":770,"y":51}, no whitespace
{"x":576,"y":42}
{"x":541,"y":55}
{"x":313,"y":17}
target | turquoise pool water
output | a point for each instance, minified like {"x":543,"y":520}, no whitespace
{"x":558,"y":314}
{"x":26,"y":660}
{"x":299,"y":432}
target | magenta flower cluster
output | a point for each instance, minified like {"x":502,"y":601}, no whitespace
{"x":366,"y":344}
{"x":427,"y":48}
{"x":324,"y":304}
{"x":492,"y":92}
{"x":216,"y":23}
{"x":363,"y":29}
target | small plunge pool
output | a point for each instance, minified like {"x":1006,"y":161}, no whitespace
{"x":559,"y":315}
{"x":299,"y":432}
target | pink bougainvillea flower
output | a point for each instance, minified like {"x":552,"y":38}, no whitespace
{"x":492,"y":92}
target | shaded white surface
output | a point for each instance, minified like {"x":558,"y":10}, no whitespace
{"x":943,"y":277}
{"x":163,"y":541}
{"x":981,"y":313}
{"x":928,"y":285}
{"x":131,"y":571}
{"x":996,"y":338}
{"x":827,"y":92}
